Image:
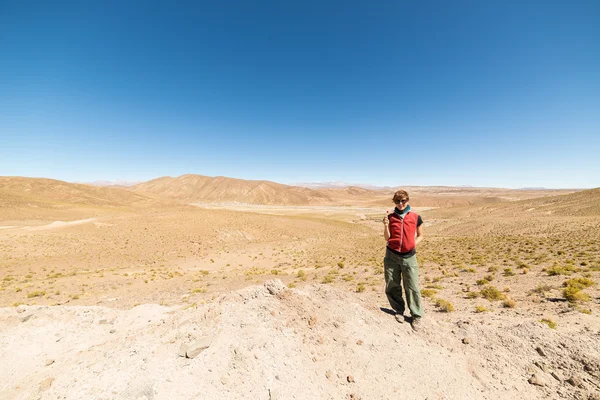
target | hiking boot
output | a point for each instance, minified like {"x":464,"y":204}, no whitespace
{"x":416,"y":324}
{"x":399,"y":317}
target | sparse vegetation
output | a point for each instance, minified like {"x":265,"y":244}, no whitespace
{"x":551,"y":324}
{"x":428,"y":293}
{"x":573,"y":289}
{"x":444,"y":305}
{"x":509,"y":303}
{"x":491,"y":293}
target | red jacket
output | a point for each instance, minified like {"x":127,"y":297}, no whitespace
{"x":402,"y":232}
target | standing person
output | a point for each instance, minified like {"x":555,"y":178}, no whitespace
{"x":403,"y":230}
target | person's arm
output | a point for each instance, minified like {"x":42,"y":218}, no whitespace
{"x":419,"y":234}
{"x":386,"y":228}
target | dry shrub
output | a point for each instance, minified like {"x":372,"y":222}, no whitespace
{"x":301,"y":275}
{"x":579,"y":283}
{"x":574,"y":295}
{"x":558,"y":270}
{"x":428,"y":293}
{"x":573,"y":289}
{"x":551,"y":324}
{"x":509,"y":303}
{"x":444,"y":305}
{"x":541,"y":289}
{"x":491,"y":293}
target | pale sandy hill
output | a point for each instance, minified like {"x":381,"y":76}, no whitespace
{"x":276,"y":343}
{"x":585,"y":203}
{"x":204,"y":189}
{"x":29,"y":198}
{"x":197,"y":188}
{"x":435,"y":196}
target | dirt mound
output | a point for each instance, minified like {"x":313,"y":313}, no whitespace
{"x":270,"y":342}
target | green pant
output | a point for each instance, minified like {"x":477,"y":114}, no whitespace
{"x":405,"y":270}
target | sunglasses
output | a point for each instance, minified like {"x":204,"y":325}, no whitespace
{"x":400,"y":201}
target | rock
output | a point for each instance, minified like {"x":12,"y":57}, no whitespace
{"x":575,"y":381}
{"x":359,"y":342}
{"x":103,"y":322}
{"x":466,"y":340}
{"x":274,"y":286}
{"x":536,"y":379}
{"x":594,"y":396}
{"x":46,"y":383}
{"x":541,"y":366}
{"x":26,"y":318}
{"x":328,"y":374}
{"x":182,"y":350}
{"x":350,"y":378}
{"x":49,"y":362}
{"x":198,"y":346}
{"x":540,"y":351}
{"x":20,"y":309}
{"x":589,"y":367}
{"x":224,"y":379}
{"x":112,"y":331}
{"x":555,"y":376}
{"x":273,"y":394}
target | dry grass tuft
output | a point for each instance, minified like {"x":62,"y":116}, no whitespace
{"x":551,"y":324}
{"x":444,"y":305}
{"x":491,"y":293}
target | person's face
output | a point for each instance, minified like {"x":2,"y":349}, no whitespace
{"x":401,"y":203}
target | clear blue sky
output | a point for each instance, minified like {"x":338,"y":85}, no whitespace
{"x":484,"y":93}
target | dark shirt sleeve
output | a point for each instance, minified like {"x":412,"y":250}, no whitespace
{"x":419,"y":221}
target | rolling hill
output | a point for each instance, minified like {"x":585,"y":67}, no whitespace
{"x":30,"y":198}
{"x":197,"y":188}
{"x":585,"y":203}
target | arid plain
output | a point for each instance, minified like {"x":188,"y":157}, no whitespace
{"x":509,"y":279}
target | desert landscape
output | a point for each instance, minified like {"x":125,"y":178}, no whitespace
{"x":202,"y":287}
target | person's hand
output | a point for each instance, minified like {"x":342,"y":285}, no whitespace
{"x":386,"y":221}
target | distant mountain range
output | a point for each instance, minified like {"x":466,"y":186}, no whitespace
{"x":339,"y":184}
{"x":118,"y":182}
{"x":16,"y":192}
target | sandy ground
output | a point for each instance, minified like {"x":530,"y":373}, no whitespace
{"x":315,"y":343}
{"x":342,"y":211}
{"x":98,"y":306}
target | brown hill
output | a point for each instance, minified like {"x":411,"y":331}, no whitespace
{"x":197,"y":188}
{"x":583,"y":203}
{"x":39,"y":195}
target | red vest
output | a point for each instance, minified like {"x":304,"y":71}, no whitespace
{"x":402,"y":232}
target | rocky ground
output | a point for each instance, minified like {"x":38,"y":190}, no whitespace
{"x":272,"y":342}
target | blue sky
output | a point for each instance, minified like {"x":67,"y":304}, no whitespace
{"x":482,"y":93}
